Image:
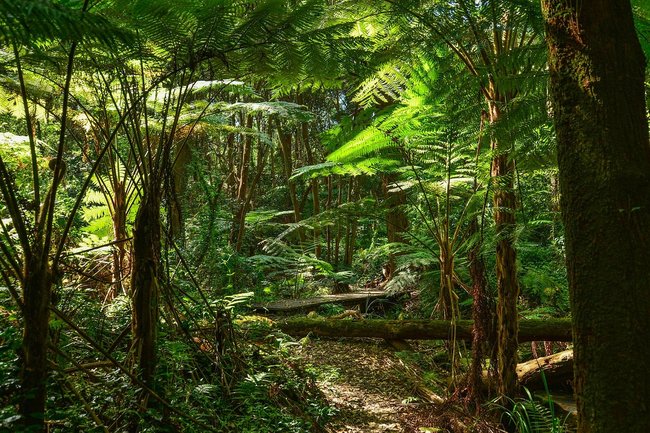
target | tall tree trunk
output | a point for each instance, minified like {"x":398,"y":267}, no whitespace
{"x":287,"y":159}
{"x":396,"y":220}
{"x":145,"y":283}
{"x":246,"y":205}
{"x":350,"y":226}
{"x":447,"y":300}
{"x":231,"y":167}
{"x":597,"y":88}
{"x":178,"y":178}
{"x":481,"y":315}
{"x":244,"y":167}
{"x":555,"y":205}
{"x":504,"y":203}
{"x":483,"y":331}
{"x":119,"y":235}
{"x":339,"y":231}
{"x":314,"y":188}
{"x":37,"y":290}
{"x":239,"y":228}
{"x":328,"y":207}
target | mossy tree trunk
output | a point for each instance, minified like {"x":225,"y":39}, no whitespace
{"x":597,"y":88}
{"x":504,"y":203}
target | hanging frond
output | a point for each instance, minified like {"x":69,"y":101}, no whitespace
{"x":30,"y":21}
{"x":385,"y":86}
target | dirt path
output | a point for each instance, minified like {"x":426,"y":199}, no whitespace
{"x":368,"y":385}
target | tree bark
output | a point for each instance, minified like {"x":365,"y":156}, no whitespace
{"x":529,"y":330}
{"x":504,"y":203}
{"x":145,"y":284}
{"x":597,"y":89}
{"x":37,"y":291}
{"x":119,"y":218}
{"x":287,"y":159}
{"x":482,"y":334}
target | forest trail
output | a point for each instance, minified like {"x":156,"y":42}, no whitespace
{"x":374,"y":391}
{"x":369,"y":386}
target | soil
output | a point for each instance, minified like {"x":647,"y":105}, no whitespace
{"x":374,"y":391}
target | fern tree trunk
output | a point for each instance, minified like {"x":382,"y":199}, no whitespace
{"x":448,"y":300}
{"x":37,"y":290}
{"x":145,"y":283}
{"x":597,"y":88}
{"x":119,"y":234}
{"x":483,"y":331}
{"x":504,"y":202}
{"x":481,"y":315}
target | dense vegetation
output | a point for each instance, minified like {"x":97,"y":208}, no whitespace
{"x":165,"y":165}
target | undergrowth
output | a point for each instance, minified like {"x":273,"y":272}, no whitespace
{"x":255,"y":385}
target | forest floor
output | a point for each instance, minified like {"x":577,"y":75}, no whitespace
{"x":374,"y":391}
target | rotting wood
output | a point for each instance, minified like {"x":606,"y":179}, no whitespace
{"x":556,"y":370}
{"x":529,"y":330}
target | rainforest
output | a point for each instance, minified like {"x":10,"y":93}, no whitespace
{"x":341,"y":216}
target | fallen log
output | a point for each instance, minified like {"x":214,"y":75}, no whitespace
{"x":556,"y":370}
{"x":529,"y":330}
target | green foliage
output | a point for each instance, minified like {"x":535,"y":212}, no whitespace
{"x":31,"y":21}
{"x":330,"y":309}
{"x":10,"y":342}
{"x":529,"y":415}
{"x":375,"y":103}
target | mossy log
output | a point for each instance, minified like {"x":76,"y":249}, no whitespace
{"x":529,"y":330}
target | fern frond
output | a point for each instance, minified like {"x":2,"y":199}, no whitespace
{"x":29,"y":21}
{"x":385,"y":86}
